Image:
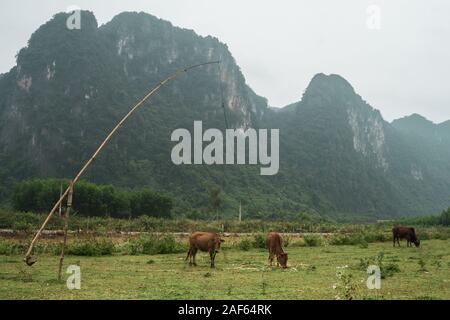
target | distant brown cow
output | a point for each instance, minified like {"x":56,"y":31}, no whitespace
{"x":273,"y":243}
{"x":203,"y":241}
{"x":405,"y":233}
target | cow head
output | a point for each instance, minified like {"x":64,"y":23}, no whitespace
{"x":217,"y":244}
{"x":417,"y":242}
{"x":282,"y":259}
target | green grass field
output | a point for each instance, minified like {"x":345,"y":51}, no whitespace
{"x":424,"y":273}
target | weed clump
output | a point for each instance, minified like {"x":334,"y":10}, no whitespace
{"x":93,"y":248}
{"x":154,"y":244}
{"x":313,"y":240}
{"x":244,"y":244}
{"x":346,"y":286}
{"x":259,"y":240}
{"x":386,"y":269}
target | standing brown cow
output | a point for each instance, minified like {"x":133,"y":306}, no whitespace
{"x":273,"y":243}
{"x":206,"y":242}
{"x":405,"y":233}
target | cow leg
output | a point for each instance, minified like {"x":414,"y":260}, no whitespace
{"x":270,"y":259}
{"x":398,"y":241}
{"x":212,"y":255}
{"x":193,"y":253}
{"x":189,"y":256}
{"x":394,"y":241}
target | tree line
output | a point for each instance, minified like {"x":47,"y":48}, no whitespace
{"x":89,"y":199}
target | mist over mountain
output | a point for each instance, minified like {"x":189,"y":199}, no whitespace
{"x":338,"y":156}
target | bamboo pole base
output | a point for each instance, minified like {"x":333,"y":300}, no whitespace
{"x":30,"y":260}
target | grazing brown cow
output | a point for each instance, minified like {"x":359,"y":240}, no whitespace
{"x":203,"y":241}
{"x":405,"y":233}
{"x":273,"y":243}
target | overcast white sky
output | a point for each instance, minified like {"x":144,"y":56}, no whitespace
{"x":402,"y":68}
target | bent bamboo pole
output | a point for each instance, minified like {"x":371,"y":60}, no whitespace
{"x":29,"y":259}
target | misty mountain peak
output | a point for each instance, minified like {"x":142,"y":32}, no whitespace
{"x":415,"y":123}
{"x":332,"y":84}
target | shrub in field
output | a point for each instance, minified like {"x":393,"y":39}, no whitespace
{"x":287,"y":240}
{"x":300,"y":242}
{"x":13,"y":247}
{"x":22,"y":226}
{"x":364,"y":263}
{"x":386,"y":269}
{"x":153,"y":244}
{"x":346,"y":286}
{"x":131,"y":247}
{"x":437,"y":264}
{"x":245,"y":244}
{"x":363,"y":244}
{"x":389,"y":269}
{"x":9,"y":248}
{"x":379,"y":236}
{"x":162,"y":245}
{"x":422,"y":265}
{"x":20,"y":220}
{"x":259,"y":240}
{"x":441,"y":234}
{"x":313,"y":240}
{"x":346,"y":239}
{"x":91,"y":248}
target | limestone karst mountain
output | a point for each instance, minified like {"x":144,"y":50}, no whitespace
{"x":338,"y":157}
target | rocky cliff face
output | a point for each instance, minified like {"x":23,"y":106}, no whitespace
{"x":366,"y":123}
{"x":70,"y":86}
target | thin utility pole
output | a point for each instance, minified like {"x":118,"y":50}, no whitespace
{"x":60,"y":204}
{"x":240,"y":211}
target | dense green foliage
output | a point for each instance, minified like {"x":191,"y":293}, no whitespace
{"x":90,"y":199}
{"x":27,"y":221}
{"x":435,"y":220}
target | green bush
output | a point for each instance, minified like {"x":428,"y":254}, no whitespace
{"x":244,"y":244}
{"x":22,"y":226}
{"x":15,"y":248}
{"x":371,"y":237}
{"x":349,"y":239}
{"x":287,"y":240}
{"x":313,"y":240}
{"x":91,"y":247}
{"x":389,"y":269}
{"x":386,"y":269}
{"x":8,"y":248}
{"x":259,"y":240}
{"x":153,"y":244}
